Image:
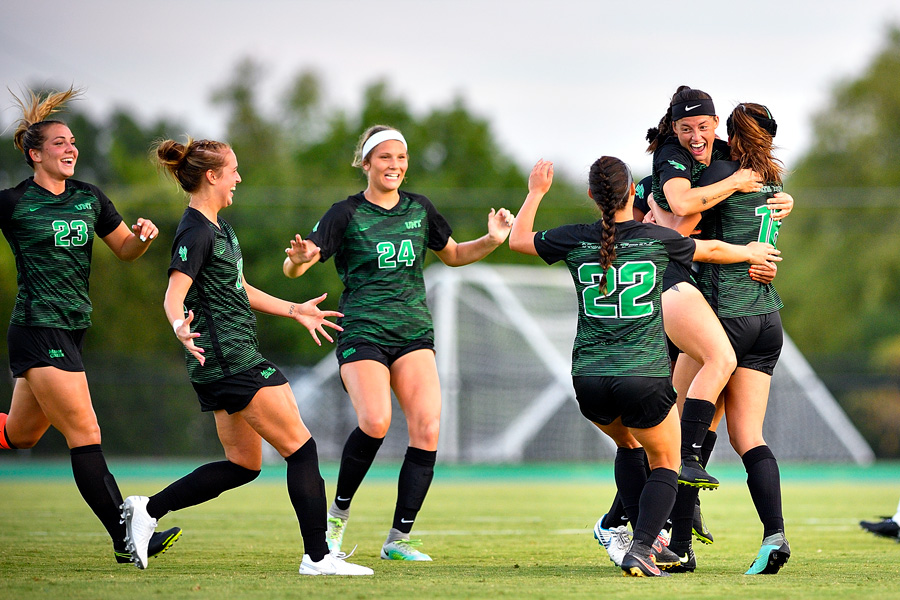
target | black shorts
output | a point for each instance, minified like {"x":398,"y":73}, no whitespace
{"x":354,"y":350}
{"x":676,"y":273}
{"x":234,"y":392}
{"x":31,"y":347}
{"x":757,"y":340}
{"x":642,"y":402}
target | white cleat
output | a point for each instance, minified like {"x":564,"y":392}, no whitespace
{"x":139,"y":528}
{"x":332,"y":564}
{"x":615,"y":540}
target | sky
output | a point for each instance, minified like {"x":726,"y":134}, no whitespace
{"x":565,"y":80}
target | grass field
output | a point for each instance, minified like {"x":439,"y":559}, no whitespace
{"x":493,"y":532}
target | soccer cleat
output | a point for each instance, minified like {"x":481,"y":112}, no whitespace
{"x":334,"y":535}
{"x":332,"y":564}
{"x":662,"y":556}
{"x":686,"y":563}
{"x":887,"y":527}
{"x":139,"y":527}
{"x":403,"y":550}
{"x":698,"y":527}
{"x":693,"y":474}
{"x":638,"y":562}
{"x":772,"y":555}
{"x":159,"y":543}
{"x":615,"y":540}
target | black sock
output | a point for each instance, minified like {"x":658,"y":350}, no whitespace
{"x":415,"y":479}
{"x":306,"y":489}
{"x":99,"y":489}
{"x":359,"y":452}
{"x":709,"y":442}
{"x":203,"y":483}
{"x":656,"y":503}
{"x":631,"y":475}
{"x":764,"y":482}
{"x":615,"y":516}
{"x":683,"y":518}
{"x":696,"y":418}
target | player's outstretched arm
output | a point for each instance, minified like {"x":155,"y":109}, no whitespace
{"x":301,"y":255}
{"x":521,"y":239}
{"x":307,"y":313}
{"x":458,"y":254}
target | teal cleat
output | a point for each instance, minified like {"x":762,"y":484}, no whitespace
{"x":773,"y":553}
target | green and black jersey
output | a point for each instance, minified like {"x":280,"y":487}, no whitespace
{"x":379,"y":255}
{"x":672,"y":160}
{"x":210,"y":255}
{"x":620,"y":333}
{"x":739,"y":219}
{"x":52,"y":238}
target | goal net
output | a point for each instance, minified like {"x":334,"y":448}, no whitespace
{"x":503,"y":345}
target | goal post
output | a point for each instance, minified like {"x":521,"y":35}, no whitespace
{"x":503,"y":342}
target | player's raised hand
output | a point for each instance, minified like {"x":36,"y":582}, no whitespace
{"x":301,"y":251}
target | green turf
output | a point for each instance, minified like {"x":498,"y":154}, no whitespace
{"x":493,"y":532}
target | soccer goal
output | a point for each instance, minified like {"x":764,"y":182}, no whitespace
{"x":503,"y":344}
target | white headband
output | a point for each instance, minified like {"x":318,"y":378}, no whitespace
{"x":382,"y":136}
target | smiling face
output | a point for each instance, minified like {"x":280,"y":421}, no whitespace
{"x":386,"y":166}
{"x":697,"y":135}
{"x":225,"y":180}
{"x":57,"y":156}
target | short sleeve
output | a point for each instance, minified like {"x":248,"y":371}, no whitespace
{"x":328,"y":233}
{"x":109,"y":218}
{"x":642,"y":192}
{"x":192,"y":247}
{"x":680,"y":249}
{"x":439,"y":230}
{"x":553,"y":245}
{"x":717,"y":171}
{"x":671,"y":161}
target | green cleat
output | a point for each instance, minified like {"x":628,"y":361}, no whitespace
{"x":334,"y":535}
{"x":403,"y":550}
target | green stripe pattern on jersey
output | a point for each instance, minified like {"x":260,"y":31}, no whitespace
{"x":52,"y":238}
{"x":620,"y":333}
{"x":380,"y":262}
{"x":741,"y":219}
{"x":223,"y":317}
{"x":692,"y":170}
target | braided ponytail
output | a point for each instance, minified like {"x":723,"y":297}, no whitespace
{"x":610,"y":184}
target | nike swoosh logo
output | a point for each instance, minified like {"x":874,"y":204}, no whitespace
{"x":339,"y":499}
{"x":690,"y":108}
{"x":33,"y":208}
{"x":696,"y":446}
{"x":407,"y":520}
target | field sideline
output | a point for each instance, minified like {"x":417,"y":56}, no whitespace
{"x":512,"y":532}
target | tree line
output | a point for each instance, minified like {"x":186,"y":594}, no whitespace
{"x":840,"y":280}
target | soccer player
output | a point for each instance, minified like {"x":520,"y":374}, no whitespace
{"x":620,"y":367}
{"x":50,"y":221}
{"x":379,"y":238}
{"x":249,"y":397}
{"x":887,"y":527}
{"x":748,"y":311}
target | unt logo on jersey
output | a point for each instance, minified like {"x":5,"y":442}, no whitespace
{"x":182,"y":252}
{"x":268,"y":372}
{"x":414,"y":224}
{"x":677,"y":165}
{"x":639,"y":190}
{"x":85,"y":206}
{"x":57,"y":353}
